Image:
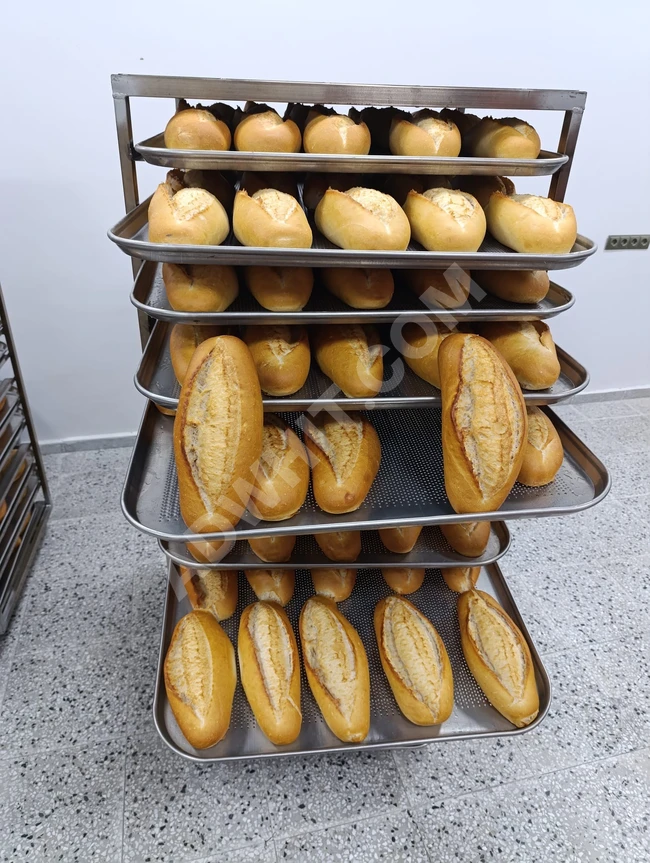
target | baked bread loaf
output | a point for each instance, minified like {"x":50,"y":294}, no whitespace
{"x":403,"y":579}
{"x":200,"y":288}
{"x":461,"y":578}
{"x":415,"y":661}
{"x":421,"y":343}
{"x":255,"y":181}
{"x":515,"y":286}
{"x":188,"y":217}
{"x":272,"y":585}
{"x":335,"y":584}
{"x":184,"y":339}
{"x":358,"y":288}
{"x":529,"y":350}
{"x":483,"y":423}
{"x":447,"y":289}
{"x":210,"y":552}
{"x":197,"y":128}
{"x":212,"y":181}
{"x":505,"y":138}
{"x":281,"y":356}
{"x":335,"y":133}
{"x":337,"y":669}
{"x":351,"y":356}
{"x":345,"y":453}
{"x":342,"y":546}
{"x":273,"y":549}
{"x":283,"y":476}
{"x":446,"y":220}
{"x":218,"y":435}
{"x":400,"y":540}
{"x":262,"y":130}
{"x":498,"y":657}
{"x":361,"y":218}
{"x":469,"y":538}
{"x":316,"y":185}
{"x":424,"y":133}
{"x":270,"y":219}
{"x":531,"y":225}
{"x":200,"y":678}
{"x":543,"y":454}
{"x":280,"y":289}
{"x":270,"y":670}
{"x":482,"y":188}
{"x":213,"y":590}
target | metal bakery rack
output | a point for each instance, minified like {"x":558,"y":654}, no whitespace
{"x":409,"y":489}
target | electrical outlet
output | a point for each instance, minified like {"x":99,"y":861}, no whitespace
{"x":627,"y":241}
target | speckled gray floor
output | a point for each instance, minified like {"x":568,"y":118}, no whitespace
{"x":84,"y":776}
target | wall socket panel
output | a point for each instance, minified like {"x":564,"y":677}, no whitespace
{"x":618,"y":242}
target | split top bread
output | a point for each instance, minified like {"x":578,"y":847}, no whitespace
{"x":504,"y":138}
{"x":283,"y":475}
{"x":530,"y":224}
{"x":529,"y":350}
{"x":189,"y":216}
{"x":329,"y":132}
{"x":199,"y":128}
{"x":426,"y":133}
{"x":544,"y":452}
{"x":262,"y":130}
{"x":281,"y":356}
{"x":200,"y":288}
{"x":362,"y":219}
{"x":446,"y":220}
{"x":351,"y":356}
{"x":270,"y":218}
{"x":211,"y":589}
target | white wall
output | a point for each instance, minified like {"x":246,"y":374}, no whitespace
{"x":67,"y":287}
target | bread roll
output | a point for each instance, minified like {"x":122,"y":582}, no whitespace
{"x":280,"y":289}
{"x":200,"y":288}
{"x":345,"y":453}
{"x":446,"y":220}
{"x":483,"y":423}
{"x":254,"y":181}
{"x":212,"y":181}
{"x":272,"y":585}
{"x":531,"y":225}
{"x":270,"y":219}
{"x":197,"y":129}
{"x":415,"y":662}
{"x":342,"y":546}
{"x":482,"y":188}
{"x":351,"y":356}
{"x":469,"y":539}
{"x":529,"y":350}
{"x":515,"y":286}
{"x":358,"y":288}
{"x":420,"y":349}
{"x":283,"y":476}
{"x":210,"y":552}
{"x":505,"y":138}
{"x":191,"y":216}
{"x":425,"y":133}
{"x":403,"y":579}
{"x":273,"y":549}
{"x":213,"y":590}
{"x":270,"y":670}
{"x":543,"y":454}
{"x":337,"y":669}
{"x":461,"y":578}
{"x":335,"y":133}
{"x":362,"y":218}
{"x":498,"y":657}
{"x":264,"y":131}
{"x":447,"y":289}
{"x":281,"y":356}
{"x":317,"y":184}
{"x":335,"y":584}
{"x":218,"y":435}
{"x":200,"y":678}
{"x":184,"y":339}
{"x":400,"y":540}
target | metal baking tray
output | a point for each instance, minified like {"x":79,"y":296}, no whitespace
{"x":156,"y":380}
{"x":149,"y":296}
{"x":409,"y":488}
{"x":19,"y":562}
{"x":472,"y":716}
{"x":431,"y":551}
{"x":12,"y":530}
{"x":131,"y":234}
{"x":154,"y":151}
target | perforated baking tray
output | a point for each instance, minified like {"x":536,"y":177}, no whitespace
{"x":409,"y":488}
{"x":472,"y":716}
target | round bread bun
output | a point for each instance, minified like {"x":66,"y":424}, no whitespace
{"x":273,"y":549}
{"x":316,"y":185}
{"x":425,"y":133}
{"x":400,"y":540}
{"x":272,"y":585}
{"x":184,"y":339}
{"x":469,"y":538}
{"x":543,"y":454}
{"x":482,"y":188}
{"x":515,"y":286}
{"x":335,"y":133}
{"x":266,"y":132}
{"x":531,"y":225}
{"x":200,"y":288}
{"x":359,"y":288}
{"x":446,"y":220}
{"x":271,"y":219}
{"x":506,"y":138}
{"x":461,"y":578}
{"x":187,"y":217}
{"x":335,"y":584}
{"x":254,"y":181}
{"x":280,"y":289}
{"x":447,"y":289}
{"x":362,"y":218}
{"x":403,"y":579}
{"x":197,"y":129}
{"x":343,"y":546}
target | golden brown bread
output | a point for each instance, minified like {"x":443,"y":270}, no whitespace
{"x":197,"y":129}
{"x":400,"y":540}
{"x":505,"y":138}
{"x":342,"y":546}
{"x":262,"y":130}
{"x":214,"y":590}
{"x":358,"y":288}
{"x":212,"y":181}
{"x":345,"y":453}
{"x":483,"y":187}
{"x":529,"y":350}
{"x":362,"y":218}
{"x":403,"y":579}
{"x":335,"y":133}
{"x":447,"y":289}
{"x":461,"y":578}
{"x":446,"y":220}
{"x":200,"y":678}
{"x":280,"y":289}
{"x":281,"y":356}
{"x":317,"y":184}
{"x":351,"y":356}
{"x":254,"y":181}
{"x":273,"y":549}
{"x":469,"y":538}
{"x":531,"y":225}
{"x":425,"y":133}
{"x":498,"y":657}
{"x":272,"y":585}
{"x":337,"y":669}
{"x":515,"y":286}
{"x":483,"y":423}
{"x":283,"y":476}
{"x":190,"y":216}
{"x":420,"y":347}
{"x":335,"y":584}
{"x":200,"y":288}
{"x":544,"y":453}
{"x":184,"y":339}
{"x":415,"y":661}
{"x":210,"y":552}
{"x":270,"y":218}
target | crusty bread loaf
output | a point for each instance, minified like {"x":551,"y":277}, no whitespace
{"x":280,"y":289}
{"x":273,"y":549}
{"x":425,"y":133}
{"x":403,"y":579}
{"x":335,"y":133}
{"x":270,"y":670}
{"x":420,"y":346}
{"x":498,"y":657}
{"x":316,"y":185}
{"x":337,"y":669}
{"x":335,"y":584}
{"x":447,"y":289}
{"x":351,"y":356}
{"x":531,"y":225}
{"x":483,"y":423}
{"x":200,"y":288}
{"x":200,"y":678}
{"x":415,"y":661}
{"x":345,"y":453}
{"x":214,"y":590}
{"x":270,"y":218}
{"x":400,"y":540}
{"x":362,"y":218}
{"x":529,"y":350}
{"x":515,"y":286}
{"x":272,"y":585}
{"x":212,"y":181}
{"x":254,"y":181}
{"x":503,"y":138}
{"x":210,"y":552}
{"x":469,"y":538}
{"x":262,"y":130}
{"x":190,"y":216}
{"x":482,"y":188}
{"x":283,"y":476}
{"x":281,"y":356}
{"x":461,"y":578}
{"x":342,"y":546}
{"x":544,"y":453}
{"x":184,"y":339}
{"x":218,"y":435}
{"x":359,"y":288}
{"x":197,"y":129}
{"x":446,"y":220}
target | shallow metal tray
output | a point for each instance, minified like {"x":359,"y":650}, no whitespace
{"x":409,"y":488}
{"x":131,"y":234}
{"x":431,"y":551}
{"x":472,"y":716}
{"x":19,"y":561}
{"x":149,"y":296}
{"x":156,"y":380}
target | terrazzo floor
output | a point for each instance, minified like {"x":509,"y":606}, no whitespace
{"x":84,"y":776}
